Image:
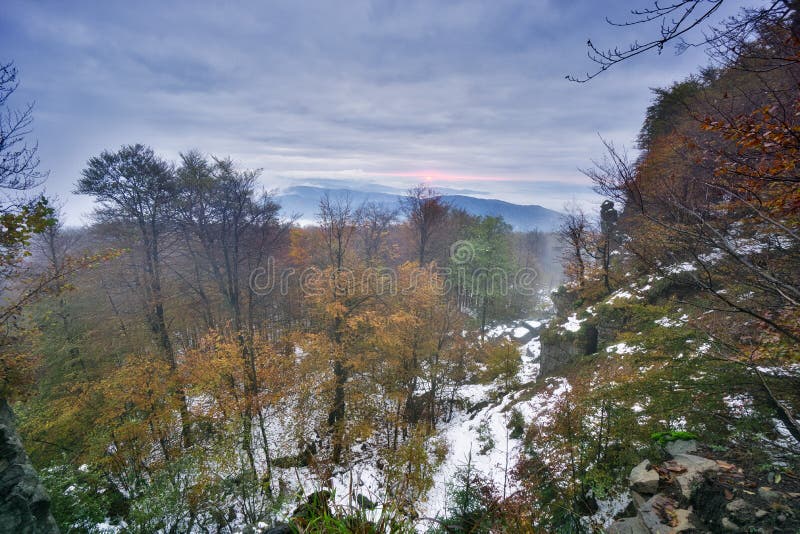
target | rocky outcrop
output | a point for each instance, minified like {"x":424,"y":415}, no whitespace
{"x":643,"y":479}
{"x":691,"y":493}
{"x":561,"y":348}
{"x":24,"y":504}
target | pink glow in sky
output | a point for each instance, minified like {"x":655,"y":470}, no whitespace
{"x":432,"y":176}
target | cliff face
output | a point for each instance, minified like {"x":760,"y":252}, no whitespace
{"x":563,"y":344}
{"x":561,"y":348}
{"x":24,"y":504}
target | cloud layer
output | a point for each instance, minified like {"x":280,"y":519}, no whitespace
{"x":465,"y":95}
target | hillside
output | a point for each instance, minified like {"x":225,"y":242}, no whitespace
{"x":304,"y":202}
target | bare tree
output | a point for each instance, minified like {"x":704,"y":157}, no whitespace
{"x":135,"y":186}
{"x":678,"y":20}
{"x":574,"y":232}
{"x":218,"y":207}
{"x":19,"y":163}
{"x":338,"y":221}
{"x":376,"y":219}
{"x":426,"y":213}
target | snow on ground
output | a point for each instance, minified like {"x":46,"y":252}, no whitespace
{"x":573,"y":324}
{"x":786,"y":440}
{"x":607,"y":510}
{"x":622,"y":348}
{"x":620,"y":294}
{"x":520,"y":331}
{"x":666,"y":322}
{"x":740,"y":405}
{"x":792,"y":370}
{"x":469,"y":435}
{"x":539,"y":408}
{"x":515,"y":330}
{"x":465,"y":446}
{"x":681,"y":268}
{"x":529,"y":353}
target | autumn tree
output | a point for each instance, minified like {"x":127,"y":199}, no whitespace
{"x":712,"y":203}
{"x":21,"y":218}
{"x":342,"y":298}
{"x":235,"y":229}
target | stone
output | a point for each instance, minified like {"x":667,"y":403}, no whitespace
{"x":24,"y":503}
{"x":659,"y":509}
{"x":629,"y":525}
{"x":681,"y":446}
{"x":729,"y":525}
{"x":737,"y":506}
{"x":281,"y":528}
{"x":696,"y":467}
{"x":637,"y":499}
{"x":739,"y":510}
{"x":769,"y":494}
{"x":643,"y":479}
{"x":560,"y":349}
{"x":761,"y":514}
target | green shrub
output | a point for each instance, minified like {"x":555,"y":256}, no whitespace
{"x":662,"y":438}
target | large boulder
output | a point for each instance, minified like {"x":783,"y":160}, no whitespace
{"x":24,"y":503}
{"x":643,"y":479}
{"x":681,"y":446}
{"x":695,"y":467}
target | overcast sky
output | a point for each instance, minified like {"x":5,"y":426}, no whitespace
{"x":464,"y":95}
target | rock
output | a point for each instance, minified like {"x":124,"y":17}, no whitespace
{"x":630,"y":525}
{"x":561,"y":348}
{"x":696,"y":467}
{"x":681,"y":446}
{"x":737,"y":506}
{"x":761,"y":514}
{"x":24,"y":503}
{"x":661,"y":516}
{"x":729,"y":525}
{"x":281,"y":528}
{"x":769,"y":494}
{"x":643,"y":479}
{"x":739,"y":510}
{"x":637,"y":499}
{"x":365,"y":503}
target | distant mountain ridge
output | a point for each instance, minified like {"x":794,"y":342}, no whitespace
{"x":303,"y":201}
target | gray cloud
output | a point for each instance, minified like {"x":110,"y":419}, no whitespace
{"x":366,"y":91}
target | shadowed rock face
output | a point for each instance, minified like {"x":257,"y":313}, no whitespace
{"x":24,"y":504}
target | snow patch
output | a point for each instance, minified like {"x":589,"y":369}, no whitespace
{"x":573,"y":324}
{"x":623,"y":348}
